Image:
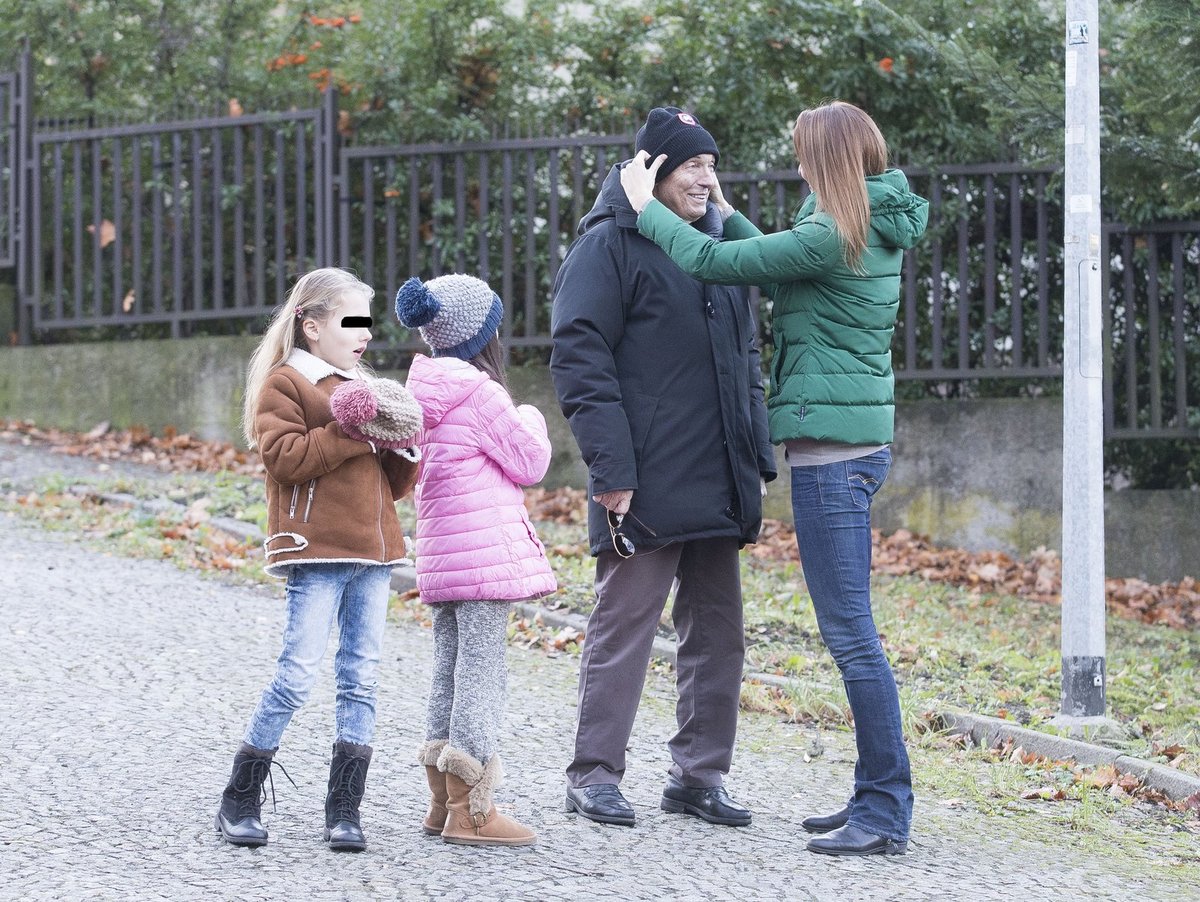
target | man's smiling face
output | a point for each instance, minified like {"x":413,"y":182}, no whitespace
{"x":685,"y":189}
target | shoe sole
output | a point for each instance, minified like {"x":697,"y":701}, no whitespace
{"x":460,"y":841}
{"x":572,"y":808}
{"x":240,"y":841}
{"x":675,"y":807}
{"x":890,"y":849}
{"x":347,"y":847}
{"x":344,"y":846}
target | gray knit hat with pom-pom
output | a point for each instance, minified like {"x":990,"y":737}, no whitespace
{"x":456,"y":314}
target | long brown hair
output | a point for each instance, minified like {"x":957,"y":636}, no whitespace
{"x":838,"y":146}
{"x":490,"y":360}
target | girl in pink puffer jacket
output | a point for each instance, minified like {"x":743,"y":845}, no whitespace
{"x":476,"y":548}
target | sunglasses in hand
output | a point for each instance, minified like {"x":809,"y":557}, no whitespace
{"x":621,"y":543}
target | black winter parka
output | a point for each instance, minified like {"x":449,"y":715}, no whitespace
{"x":658,"y":375}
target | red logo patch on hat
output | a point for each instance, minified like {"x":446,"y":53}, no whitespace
{"x":686,"y":119}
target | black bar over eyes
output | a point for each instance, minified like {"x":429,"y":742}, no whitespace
{"x":357,"y":322}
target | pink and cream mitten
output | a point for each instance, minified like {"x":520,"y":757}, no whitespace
{"x":380,"y":411}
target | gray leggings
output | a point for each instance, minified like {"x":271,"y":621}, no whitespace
{"x":470,"y":679}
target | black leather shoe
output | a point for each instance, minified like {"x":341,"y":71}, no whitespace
{"x":602,"y":803}
{"x":711,"y":803}
{"x":823,"y":823}
{"x":850,"y":840}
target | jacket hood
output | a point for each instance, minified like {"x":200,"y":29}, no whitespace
{"x":612,"y":203}
{"x":441,"y":384}
{"x":896,"y":213}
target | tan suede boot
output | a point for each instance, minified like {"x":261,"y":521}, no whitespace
{"x":472,"y":819}
{"x":428,"y":754}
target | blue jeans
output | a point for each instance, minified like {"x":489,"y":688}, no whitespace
{"x":355,"y":596}
{"x":831,"y":504}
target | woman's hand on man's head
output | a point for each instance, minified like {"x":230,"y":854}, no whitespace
{"x":638,"y":179}
{"x":717,"y":197}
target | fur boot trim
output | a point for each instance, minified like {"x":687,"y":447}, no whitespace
{"x":483,"y":779}
{"x":428,"y":751}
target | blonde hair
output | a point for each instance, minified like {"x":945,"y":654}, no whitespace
{"x":314,"y":296}
{"x":838,"y":146}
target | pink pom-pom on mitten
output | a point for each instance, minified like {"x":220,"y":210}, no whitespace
{"x":353,"y":403}
{"x":380,"y":411}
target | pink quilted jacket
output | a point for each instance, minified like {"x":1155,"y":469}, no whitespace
{"x":474,"y":538}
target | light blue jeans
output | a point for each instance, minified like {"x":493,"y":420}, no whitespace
{"x":355,"y":596}
{"x":832,"y":508}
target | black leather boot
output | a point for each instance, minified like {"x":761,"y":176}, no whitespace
{"x":824,"y":823}
{"x":347,"y":783}
{"x":851,"y":840}
{"x":238,"y":818}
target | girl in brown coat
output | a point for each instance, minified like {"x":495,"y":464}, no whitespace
{"x":332,"y":532}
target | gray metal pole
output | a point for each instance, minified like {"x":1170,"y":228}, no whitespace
{"x":1083,"y":671}
{"x":24,"y":177}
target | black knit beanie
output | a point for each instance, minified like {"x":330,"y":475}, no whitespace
{"x":670,"y":130}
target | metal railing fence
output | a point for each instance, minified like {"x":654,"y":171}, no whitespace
{"x":505,"y":210}
{"x":201,"y":225}
{"x":175,"y":223}
{"x":976,"y":292}
{"x":1152,"y":330}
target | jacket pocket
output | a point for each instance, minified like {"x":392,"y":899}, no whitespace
{"x":777,"y":365}
{"x":789,"y":362}
{"x":312,"y":488}
{"x":538,"y":548}
{"x":640,"y":413}
{"x":296,"y":542}
{"x":790,"y":368}
{"x":308,"y":501}
{"x":865,"y":476}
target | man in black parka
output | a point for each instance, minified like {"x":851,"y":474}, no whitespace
{"x":658,"y":375}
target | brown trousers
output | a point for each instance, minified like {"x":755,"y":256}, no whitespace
{"x":630,"y":593}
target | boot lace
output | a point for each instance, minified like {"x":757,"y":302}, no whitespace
{"x":249,"y":786}
{"x":347,"y":783}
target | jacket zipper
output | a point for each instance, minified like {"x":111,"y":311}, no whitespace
{"x":312,"y":487}
{"x":295,"y":498}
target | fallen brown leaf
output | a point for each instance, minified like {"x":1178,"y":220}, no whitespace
{"x":1100,"y":777}
{"x":1046,"y":793}
{"x":903,"y":553}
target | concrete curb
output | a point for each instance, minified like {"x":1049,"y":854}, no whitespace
{"x":988,"y":732}
{"x":239,"y":529}
{"x":984,"y":731}
{"x":662,"y":648}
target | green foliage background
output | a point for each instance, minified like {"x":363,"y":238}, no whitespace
{"x":950,"y":81}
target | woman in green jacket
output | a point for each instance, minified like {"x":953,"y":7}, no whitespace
{"x":835,"y":280}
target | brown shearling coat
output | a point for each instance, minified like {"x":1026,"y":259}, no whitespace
{"x":329,"y":497}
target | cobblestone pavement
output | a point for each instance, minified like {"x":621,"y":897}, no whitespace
{"x":125,"y":685}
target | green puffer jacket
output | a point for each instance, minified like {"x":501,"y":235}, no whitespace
{"x":831,"y":376}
